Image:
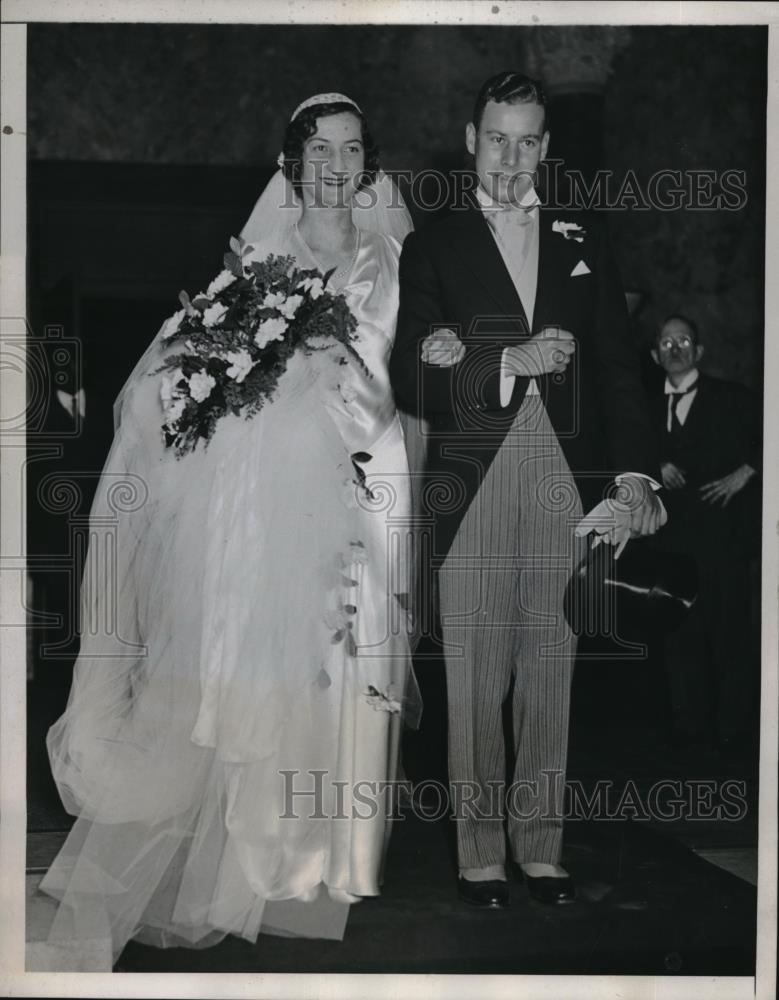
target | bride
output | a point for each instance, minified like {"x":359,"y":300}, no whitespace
{"x":233,"y":721}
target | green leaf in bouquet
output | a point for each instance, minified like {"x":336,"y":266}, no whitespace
{"x":236,"y":245}
{"x":184,"y":300}
{"x":201,"y":302}
{"x":191,"y":364}
{"x":323,"y":679}
{"x":233,"y":264}
{"x":172,"y":361}
{"x":337,"y":637}
{"x":361,"y":456}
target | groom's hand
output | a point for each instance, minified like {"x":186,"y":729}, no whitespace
{"x":548,"y":351}
{"x":640,"y":506}
{"x":442,"y":348}
{"x":635,"y":510}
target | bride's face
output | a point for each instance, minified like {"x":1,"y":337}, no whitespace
{"x":333,"y":160}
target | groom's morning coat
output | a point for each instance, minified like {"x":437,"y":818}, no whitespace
{"x":452,"y":275}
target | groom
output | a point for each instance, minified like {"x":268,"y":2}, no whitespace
{"x":513,"y":342}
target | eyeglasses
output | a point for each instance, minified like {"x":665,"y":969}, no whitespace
{"x":667,"y":343}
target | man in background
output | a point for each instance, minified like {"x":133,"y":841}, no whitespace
{"x":709,"y":433}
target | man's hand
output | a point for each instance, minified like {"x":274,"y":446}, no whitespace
{"x":638,"y":502}
{"x":673,"y":476}
{"x":548,"y":351}
{"x":727,"y":487}
{"x":635,"y":511}
{"x":442,"y":348}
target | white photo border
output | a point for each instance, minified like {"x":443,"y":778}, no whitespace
{"x":13,"y":239}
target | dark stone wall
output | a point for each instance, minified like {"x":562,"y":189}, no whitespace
{"x":679,"y":98}
{"x":223,"y":94}
{"x":694,"y":99}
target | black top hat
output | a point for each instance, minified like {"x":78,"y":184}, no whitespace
{"x":643,"y":595}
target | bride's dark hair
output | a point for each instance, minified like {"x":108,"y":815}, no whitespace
{"x":303,"y":126}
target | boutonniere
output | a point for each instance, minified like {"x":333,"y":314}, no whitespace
{"x":570,"y":230}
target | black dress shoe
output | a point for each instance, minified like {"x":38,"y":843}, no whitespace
{"x":550,"y":890}
{"x":492,"y":894}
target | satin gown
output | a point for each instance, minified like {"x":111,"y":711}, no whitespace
{"x":244,"y":656}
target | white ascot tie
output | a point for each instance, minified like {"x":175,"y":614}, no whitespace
{"x":517,"y":242}
{"x":511,"y":215}
{"x":515,"y":228}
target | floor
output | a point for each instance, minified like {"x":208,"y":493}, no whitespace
{"x":660,"y":891}
{"x":646,"y":905}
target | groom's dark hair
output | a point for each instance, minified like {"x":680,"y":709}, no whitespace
{"x":510,"y":87}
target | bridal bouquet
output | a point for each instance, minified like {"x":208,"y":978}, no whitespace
{"x":237,"y":338}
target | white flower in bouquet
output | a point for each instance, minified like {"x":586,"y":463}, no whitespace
{"x":200,"y":386}
{"x":173,"y":322}
{"x":290,"y":306}
{"x":266,"y":303}
{"x":240,"y":364}
{"x":314,"y":286}
{"x":168,"y":386}
{"x":174,"y":411}
{"x":214,"y":314}
{"x":270,"y":329}
{"x":220,"y":282}
{"x":273,"y":300}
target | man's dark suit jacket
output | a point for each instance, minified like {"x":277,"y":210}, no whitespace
{"x":452,"y":275}
{"x":721,"y":433}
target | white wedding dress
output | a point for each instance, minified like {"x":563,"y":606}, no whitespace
{"x":224,"y":740}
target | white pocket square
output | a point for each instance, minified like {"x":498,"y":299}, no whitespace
{"x":581,"y":268}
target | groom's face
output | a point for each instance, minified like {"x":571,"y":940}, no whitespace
{"x":508,"y":146}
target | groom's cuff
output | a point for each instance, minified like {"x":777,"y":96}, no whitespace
{"x":507,"y":380}
{"x":639,"y":475}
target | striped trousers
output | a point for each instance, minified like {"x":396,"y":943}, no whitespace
{"x":501,"y":594}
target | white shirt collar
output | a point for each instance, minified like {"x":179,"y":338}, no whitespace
{"x":689,"y":379}
{"x":529,"y":200}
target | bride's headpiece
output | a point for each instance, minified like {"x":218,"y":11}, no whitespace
{"x":333,"y":98}
{"x":312,"y":102}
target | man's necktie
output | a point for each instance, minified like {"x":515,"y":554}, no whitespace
{"x":512,"y":216}
{"x":676,"y":398}
{"x":511,"y":226}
